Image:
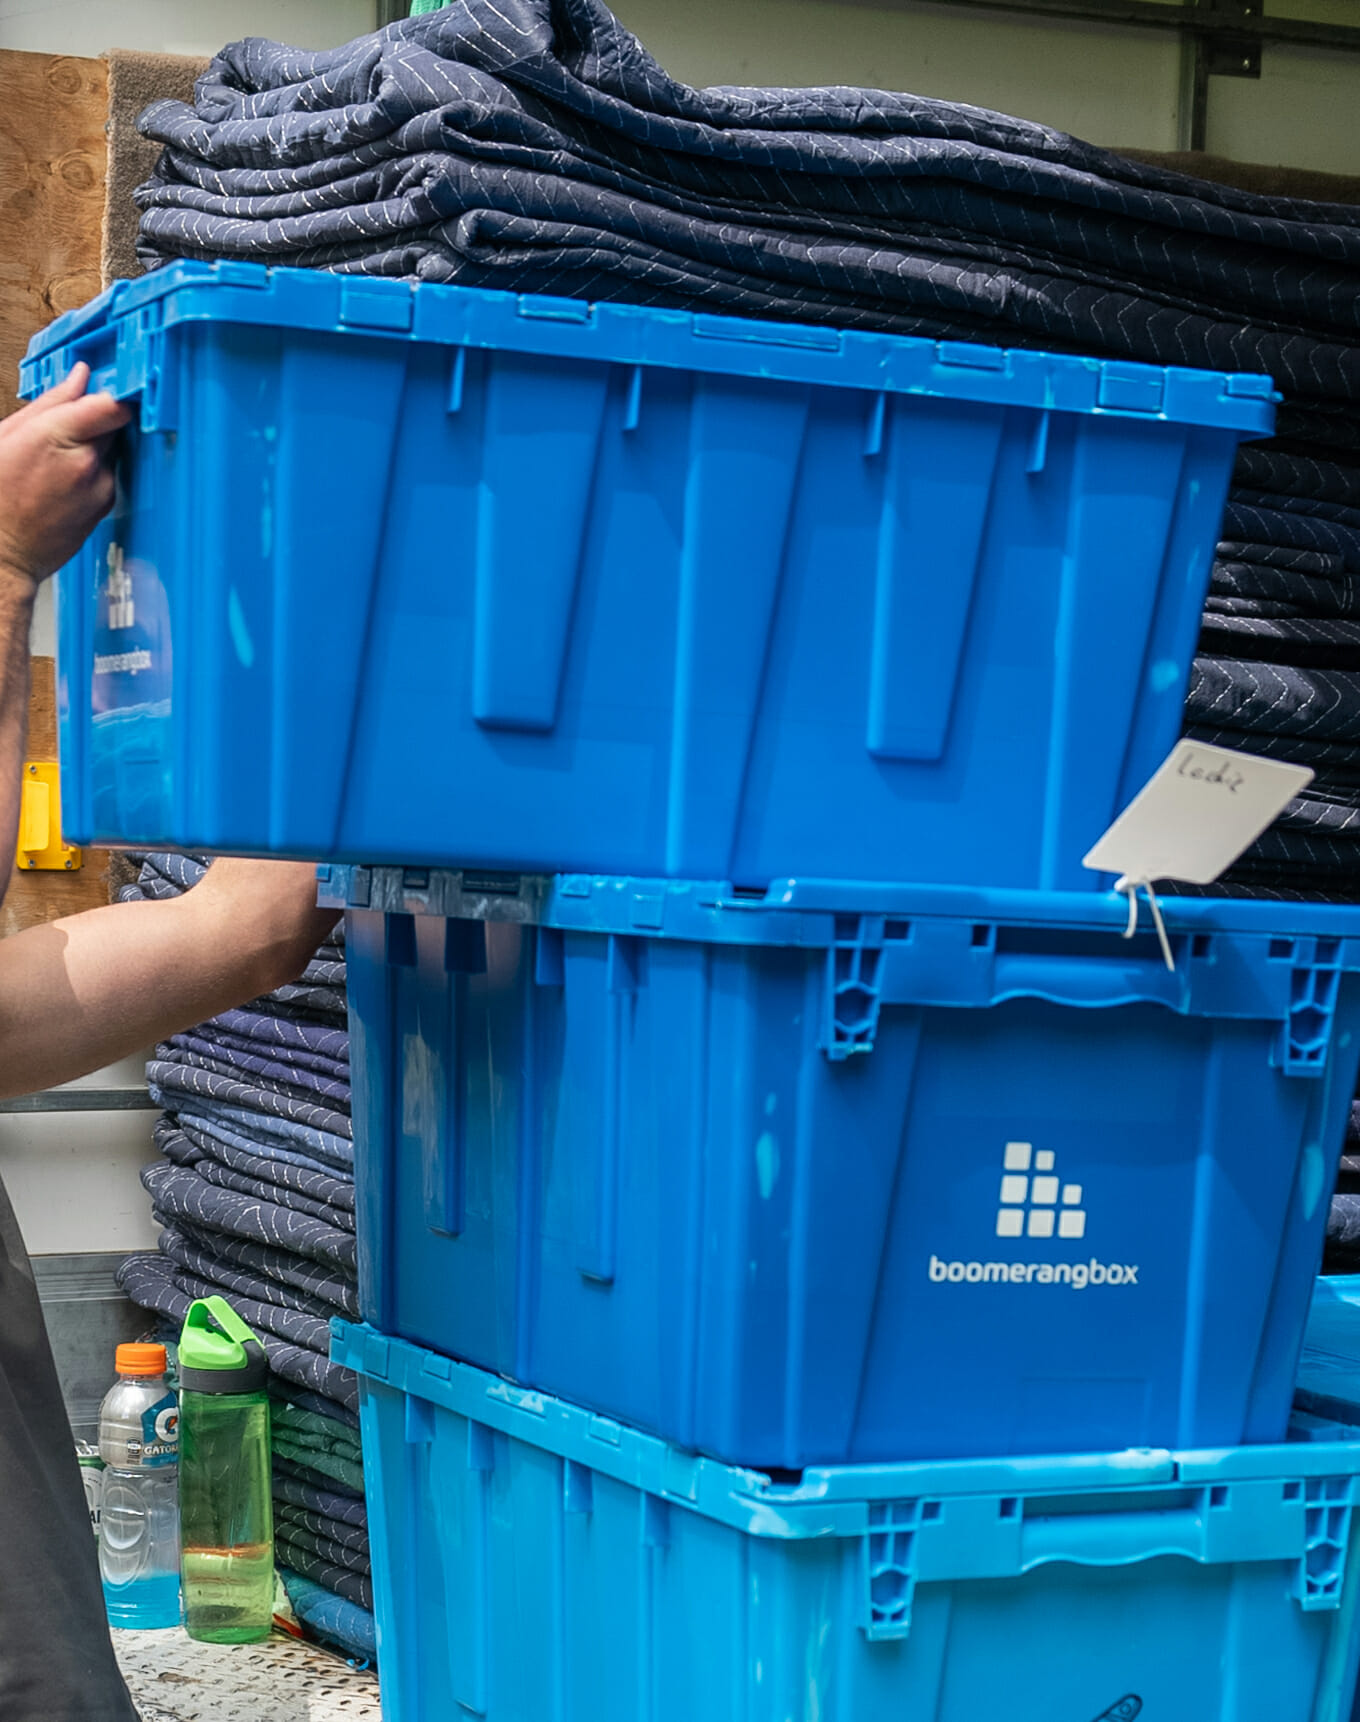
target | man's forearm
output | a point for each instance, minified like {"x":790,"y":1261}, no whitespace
{"x":79,"y":993}
{"x":16,"y":620}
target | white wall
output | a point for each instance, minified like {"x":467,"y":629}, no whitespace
{"x":72,"y":1176}
{"x":1112,"y":86}
{"x":1304,"y":112}
{"x":176,"y":26}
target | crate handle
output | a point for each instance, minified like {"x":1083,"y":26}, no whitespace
{"x":99,"y":350}
{"x":1113,"y":1539}
{"x":894,"y":1555}
{"x":1090,"y":981}
{"x":1305,"y":1522}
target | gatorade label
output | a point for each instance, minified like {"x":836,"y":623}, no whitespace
{"x":160,"y":1433}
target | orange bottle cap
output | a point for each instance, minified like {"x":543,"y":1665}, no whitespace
{"x":140,"y":1360}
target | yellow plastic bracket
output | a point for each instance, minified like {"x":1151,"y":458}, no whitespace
{"x":40,"y":845}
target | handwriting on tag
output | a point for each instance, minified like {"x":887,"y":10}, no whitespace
{"x":1193,"y":819}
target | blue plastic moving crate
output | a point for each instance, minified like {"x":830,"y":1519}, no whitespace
{"x":532,"y":1561}
{"x":436,"y":574}
{"x":849,"y":1174}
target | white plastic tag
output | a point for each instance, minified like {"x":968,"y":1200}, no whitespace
{"x":1196,"y":815}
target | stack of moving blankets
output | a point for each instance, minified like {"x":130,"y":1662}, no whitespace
{"x":535,"y":146}
{"x":255,"y":1194}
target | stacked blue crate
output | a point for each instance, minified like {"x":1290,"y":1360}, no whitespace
{"x":871,"y":1194}
{"x":556,"y":1563}
{"x":662,"y":593}
{"x":851,"y":1174}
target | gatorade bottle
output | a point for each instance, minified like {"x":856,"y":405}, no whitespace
{"x":138,"y":1529}
{"x":226,"y":1510}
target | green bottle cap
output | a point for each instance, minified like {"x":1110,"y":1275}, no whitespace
{"x":218,"y":1353}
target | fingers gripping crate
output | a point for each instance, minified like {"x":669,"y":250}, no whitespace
{"x":659,"y":593}
{"x":842,"y":1173}
{"x":532,"y":1559}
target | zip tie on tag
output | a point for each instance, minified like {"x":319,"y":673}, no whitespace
{"x":1130,"y":888}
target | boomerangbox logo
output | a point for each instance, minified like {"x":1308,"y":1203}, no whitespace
{"x":1034,"y":1200}
{"x":1035,"y":1203}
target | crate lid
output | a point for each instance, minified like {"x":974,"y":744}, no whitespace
{"x":937,"y":945}
{"x":315,"y":300}
{"x":792,"y":911}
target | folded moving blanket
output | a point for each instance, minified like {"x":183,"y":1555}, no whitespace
{"x":1324,"y":592}
{"x":1342,"y":1251}
{"x":179,"y":1192}
{"x":183,"y":1141}
{"x":332,"y":1618}
{"x":1305,"y":642}
{"x":294,"y":1471}
{"x":285,"y":1034}
{"x":260,"y":1057}
{"x":310,"y":1432}
{"x":329,"y":1504}
{"x":290,"y":1538}
{"x":1269,"y":468}
{"x":1274,"y":699}
{"x":304,"y":1002}
{"x":291,"y":1082}
{"x":233,"y":1284}
{"x":317,"y":1465}
{"x":260,"y":1264}
{"x":329,"y":1539}
{"x":260,"y":1133}
{"x":315,"y":1402}
{"x":354,"y":1587}
{"x":216,"y":1173}
{"x":1278,"y":520}
{"x":176,"y":1082}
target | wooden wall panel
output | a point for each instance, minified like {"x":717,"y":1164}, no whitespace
{"x":53,"y":110}
{"x":52,"y":169}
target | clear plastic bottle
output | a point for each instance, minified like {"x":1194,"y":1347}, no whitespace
{"x":226,"y":1503}
{"x":139,"y":1514}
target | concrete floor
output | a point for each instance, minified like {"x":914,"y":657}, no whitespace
{"x":172,"y":1679}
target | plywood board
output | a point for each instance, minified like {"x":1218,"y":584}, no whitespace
{"x":52,"y":171}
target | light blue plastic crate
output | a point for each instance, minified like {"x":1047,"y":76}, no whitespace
{"x":850,"y":1173}
{"x":1329,"y":1369}
{"x":436,"y":574}
{"x":532,"y":1561}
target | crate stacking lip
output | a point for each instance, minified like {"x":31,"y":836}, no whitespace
{"x":531,"y":1559}
{"x":850,"y":1173}
{"x":657,"y":592}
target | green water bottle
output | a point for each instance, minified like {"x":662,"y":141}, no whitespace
{"x":225,"y":1505}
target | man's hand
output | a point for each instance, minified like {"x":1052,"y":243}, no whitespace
{"x":55,"y":480}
